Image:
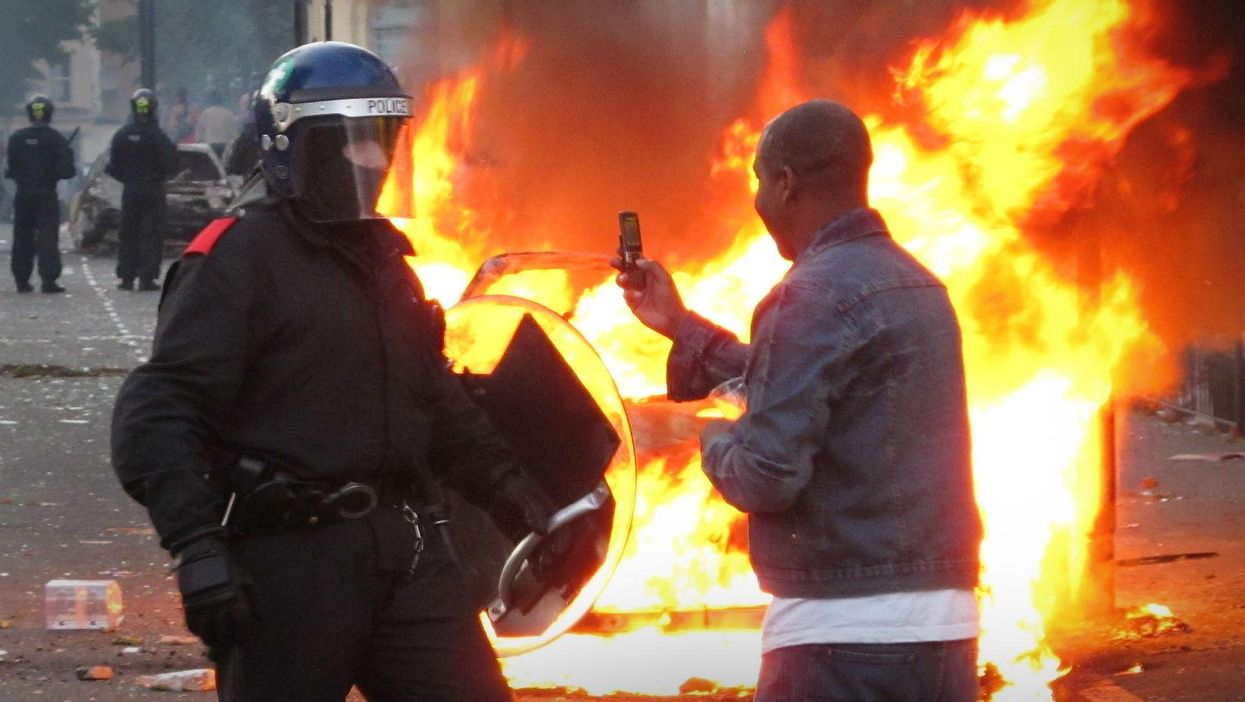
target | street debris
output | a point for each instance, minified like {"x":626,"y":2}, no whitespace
{"x":140,"y":531}
{"x":195,"y":680}
{"x":1210,"y":457}
{"x":44,"y":370}
{"x":82,"y":604}
{"x":1149,"y":621}
{"x":128,"y":641}
{"x":94,"y":672}
{"x":178,"y":640}
{"x":1165,"y":558}
{"x":693,"y":685}
{"x":1149,"y":483}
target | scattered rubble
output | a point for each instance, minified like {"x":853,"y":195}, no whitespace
{"x":1211,"y":457}
{"x":44,"y":370}
{"x":194,"y":680}
{"x":1150,"y":621}
{"x":94,"y":672}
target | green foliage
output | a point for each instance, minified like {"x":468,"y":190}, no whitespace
{"x":31,"y":30}
{"x":225,"y":45}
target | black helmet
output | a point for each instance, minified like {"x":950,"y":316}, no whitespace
{"x":39,"y":109}
{"x":330,"y":118}
{"x":143,"y":105}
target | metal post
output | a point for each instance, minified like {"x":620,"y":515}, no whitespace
{"x":1102,"y":537}
{"x":147,"y":42}
{"x":328,"y":20}
{"x":300,"y":22}
{"x":1239,"y":427}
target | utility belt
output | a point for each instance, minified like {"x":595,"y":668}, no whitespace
{"x":266,"y":498}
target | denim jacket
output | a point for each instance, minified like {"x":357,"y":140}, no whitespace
{"x":853,"y":457}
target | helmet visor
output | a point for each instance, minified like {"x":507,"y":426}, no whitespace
{"x":340,"y":167}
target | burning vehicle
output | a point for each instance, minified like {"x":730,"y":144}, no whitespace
{"x":197,"y":194}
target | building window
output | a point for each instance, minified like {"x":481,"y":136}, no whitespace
{"x":59,"y":88}
{"x":392,"y":27}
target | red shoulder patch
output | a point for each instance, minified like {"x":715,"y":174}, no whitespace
{"x":206,"y":239}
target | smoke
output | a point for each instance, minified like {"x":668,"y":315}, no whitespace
{"x":616,"y":106}
{"x":1171,"y":212}
{"x":621,"y":105}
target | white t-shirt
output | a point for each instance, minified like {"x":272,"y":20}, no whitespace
{"x":893,"y":617}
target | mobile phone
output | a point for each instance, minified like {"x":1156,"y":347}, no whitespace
{"x":629,"y":246}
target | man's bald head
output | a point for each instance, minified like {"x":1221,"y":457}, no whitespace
{"x":825,"y":144}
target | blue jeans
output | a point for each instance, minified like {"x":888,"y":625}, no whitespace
{"x":940,"y":671}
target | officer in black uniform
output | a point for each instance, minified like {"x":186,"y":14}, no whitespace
{"x":296,"y":422}
{"x":142,"y":158}
{"x":38,"y":156}
{"x":244,"y":151}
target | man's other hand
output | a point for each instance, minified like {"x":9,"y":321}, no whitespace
{"x":715,"y":427}
{"x":656,"y":303}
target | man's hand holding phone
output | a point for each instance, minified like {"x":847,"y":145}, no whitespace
{"x":648,"y":288}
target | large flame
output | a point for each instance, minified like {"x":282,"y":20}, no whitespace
{"x":1025,"y":114}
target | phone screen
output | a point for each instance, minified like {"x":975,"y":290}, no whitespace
{"x":629,"y":236}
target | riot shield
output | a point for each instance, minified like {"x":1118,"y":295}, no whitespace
{"x":548,"y":392}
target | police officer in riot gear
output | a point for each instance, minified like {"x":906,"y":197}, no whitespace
{"x":142,"y":157}
{"x":38,"y":156}
{"x":294,"y":427}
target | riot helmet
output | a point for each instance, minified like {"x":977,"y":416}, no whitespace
{"x":39,"y":109}
{"x":332,"y":121}
{"x":143,"y":105}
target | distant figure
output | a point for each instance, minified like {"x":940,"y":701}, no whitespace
{"x":38,"y":156}
{"x":244,"y":110}
{"x":179,"y":124}
{"x":243,"y":153}
{"x":142,"y":158}
{"x":217,"y":126}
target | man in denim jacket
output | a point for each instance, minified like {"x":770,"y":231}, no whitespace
{"x":852,"y":459}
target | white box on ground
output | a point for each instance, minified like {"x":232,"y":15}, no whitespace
{"x":82,"y":604}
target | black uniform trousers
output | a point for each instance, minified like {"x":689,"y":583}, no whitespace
{"x":337,"y":608}
{"x":144,"y":216}
{"x":36,"y":231}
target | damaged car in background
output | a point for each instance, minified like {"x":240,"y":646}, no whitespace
{"x":198,"y":193}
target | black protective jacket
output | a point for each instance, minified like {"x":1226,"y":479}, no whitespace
{"x":38,"y":156}
{"x":311,"y":348}
{"x":141,"y":154}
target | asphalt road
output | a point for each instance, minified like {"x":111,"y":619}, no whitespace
{"x":62,"y":515}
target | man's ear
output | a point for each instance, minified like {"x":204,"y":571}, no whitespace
{"x":787,"y":183}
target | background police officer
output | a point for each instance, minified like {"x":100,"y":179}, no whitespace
{"x":299,"y":367}
{"x":38,"y":156}
{"x":142,"y":158}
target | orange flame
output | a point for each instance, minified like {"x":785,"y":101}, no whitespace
{"x":1028,"y":114}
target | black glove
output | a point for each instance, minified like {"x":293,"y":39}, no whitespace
{"x":521,"y":506}
{"x":215,"y":595}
